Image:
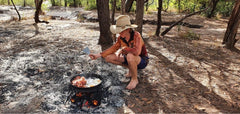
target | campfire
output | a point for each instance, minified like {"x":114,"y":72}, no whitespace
{"x":86,"y":99}
{"x":85,"y":91}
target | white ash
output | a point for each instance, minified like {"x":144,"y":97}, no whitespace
{"x":35,"y":78}
{"x":48,"y":76}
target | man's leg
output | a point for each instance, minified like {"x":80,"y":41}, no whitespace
{"x":118,"y":61}
{"x":133,"y":61}
{"x":112,"y":58}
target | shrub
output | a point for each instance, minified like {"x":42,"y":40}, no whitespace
{"x":190,"y":35}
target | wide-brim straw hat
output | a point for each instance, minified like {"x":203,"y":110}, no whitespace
{"x":122,"y":23}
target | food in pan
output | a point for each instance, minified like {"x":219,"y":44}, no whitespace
{"x":79,"y":81}
{"x":83,"y":82}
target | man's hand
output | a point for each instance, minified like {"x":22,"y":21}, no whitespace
{"x":122,"y":52}
{"x":94,"y":56}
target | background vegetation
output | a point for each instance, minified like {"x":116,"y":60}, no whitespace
{"x":224,"y":7}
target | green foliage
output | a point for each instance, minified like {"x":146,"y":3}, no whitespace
{"x":18,"y":2}
{"x":133,"y":9}
{"x":223,"y":8}
{"x":45,"y":6}
{"x":191,"y":35}
{"x":118,"y":5}
{"x":152,"y":5}
{"x":89,"y":4}
{"x":3,"y":2}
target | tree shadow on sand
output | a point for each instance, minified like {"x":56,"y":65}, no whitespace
{"x":167,"y":95}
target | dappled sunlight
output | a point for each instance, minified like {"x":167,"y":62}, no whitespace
{"x":206,"y":106}
{"x":215,"y":23}
{"x":207,"y":43}
{"x":189,"y":69}
{"x":127,"y":110}
{"x":208,"y":74}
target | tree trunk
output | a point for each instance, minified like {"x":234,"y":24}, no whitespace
{"x":128,"y":5}
{"x":169,"y":28}
{"x":113,"y":10}
{"x":19,"y":16}
{"x":38,"y":9}
{"x":65,"y":3}
{"x":139,"y":15}
{"x":167,"y":6}
{"x":104,"y":23}
{"x":8,"y":2}
{"x":74,"y":3}
{"x":112,"y":21}
{"x":24,"y":3}
{"x":79,"y":4}
{"x":214,"y":5}
{"x":53,"y":2}
{"x":123,"y":6}
{"x":159,"y":22}
{"x":38,"y":4}
{"x":233,"y":23}
{"x":179,"y":6}
{"x":147,"y":5}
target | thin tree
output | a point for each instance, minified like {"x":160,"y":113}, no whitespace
{"x":24,"y":3}
{"x":167,"y":6}
{"x":128,"y":5}
{"x":65,"y":3}
{"x":159,"y":22}
{"x":74,"y":3}
{"x":139,"y":15}
{"x":112,"y":19}
{"x":37,"y":13}
{"x":113,"y":10}
{"x":53,"y":3}
{"x":38,"y":4}
{"x":123,"y":6}
{"x":147,"y":5}
{"x":179,"y":6}
{"x":233,"y":24}
{"x":105,"y":39}
{"x":19,"y":16}
{"x":214,"y":5}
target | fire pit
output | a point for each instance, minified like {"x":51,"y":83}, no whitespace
{"x":85,"y":96}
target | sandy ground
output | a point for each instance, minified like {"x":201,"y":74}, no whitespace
{"x":183,"y":76}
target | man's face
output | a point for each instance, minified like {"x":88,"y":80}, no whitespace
{"x":123,"y":32}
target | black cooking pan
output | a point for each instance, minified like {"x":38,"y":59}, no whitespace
{"x":87,"y":89}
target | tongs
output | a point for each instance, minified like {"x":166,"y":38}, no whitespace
{"x":86,"y":50}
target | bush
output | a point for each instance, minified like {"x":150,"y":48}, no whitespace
{"x":190,"y":35}
{"x":225,"y":8}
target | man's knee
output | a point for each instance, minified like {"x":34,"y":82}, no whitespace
{"x":131,"y":57}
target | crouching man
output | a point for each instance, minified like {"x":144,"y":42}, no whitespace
{"x":133,"y":54}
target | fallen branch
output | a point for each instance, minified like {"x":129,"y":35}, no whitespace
{"x":174,"y":24}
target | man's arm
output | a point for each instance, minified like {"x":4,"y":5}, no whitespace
{"x":137,"y":45}
{"x":112,"y":49}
